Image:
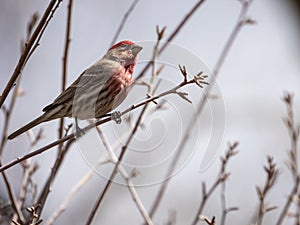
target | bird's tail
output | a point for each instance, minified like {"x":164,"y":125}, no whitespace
{"x":28,"y":126}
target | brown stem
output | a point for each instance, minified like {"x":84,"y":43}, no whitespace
{"x":65,"y":65}
{"x":46,"y":189}
{"x":289,"y":201}
{"x":62,"y":150}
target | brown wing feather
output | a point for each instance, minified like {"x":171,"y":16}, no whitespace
{"x":66,"y":95}
{"x":97,"y":71}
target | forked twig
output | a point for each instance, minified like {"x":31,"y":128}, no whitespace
{"x":272,"y":173}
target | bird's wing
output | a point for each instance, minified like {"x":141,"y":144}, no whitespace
{"x":65,"y":96}
{"x":96,"y":74}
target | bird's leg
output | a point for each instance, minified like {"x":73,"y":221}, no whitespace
{"x":78,"y":131}
{"x":116,"y":116}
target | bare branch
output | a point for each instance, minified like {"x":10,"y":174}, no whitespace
{"x":272,"y":173}
{"x":28,"y":171}
{"x":46,"y":189}
{"x":293,"y":130}
{"x":221,"y":179}
{"x":224,"y":161}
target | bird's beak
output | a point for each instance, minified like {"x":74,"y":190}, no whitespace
{"x":136,"y":49}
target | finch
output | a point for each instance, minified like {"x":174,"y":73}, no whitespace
{"x":97,"y":91}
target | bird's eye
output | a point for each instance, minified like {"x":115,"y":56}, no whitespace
{"x":125,"y":47}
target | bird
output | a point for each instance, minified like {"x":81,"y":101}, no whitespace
{"x":97,"y":91}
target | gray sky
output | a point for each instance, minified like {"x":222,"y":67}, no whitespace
{"x":262,"y":64}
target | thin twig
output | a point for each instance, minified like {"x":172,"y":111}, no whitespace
{"x":297,"y":214}
{"x":205,"y":197}
{"x":123,"y":21}
{"x":46,"y":189}
{"x":222,"y":177}
{"x":272,"y":173}
{"x":8,"y":185}
{"x":27,"y":51}
{"x":26,"y":179}
{"x":294,"y":131}
{"x":37,"y":43}
{"x":160,"y":34}
{"x":288,"y":203}
{"x":224,"y":161}
{"x":39,"y":151}
{"x":7,"y":113}
{"x":12,"y":197}
{"x":69,"y":197}
{"x":223,"y":204}
{"x":28,"y":171}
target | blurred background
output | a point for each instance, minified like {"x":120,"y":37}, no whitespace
{"x":262,"y":64}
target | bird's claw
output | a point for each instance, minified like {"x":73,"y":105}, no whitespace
{"x":116,"y":116}
{"x":78,"y":131}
